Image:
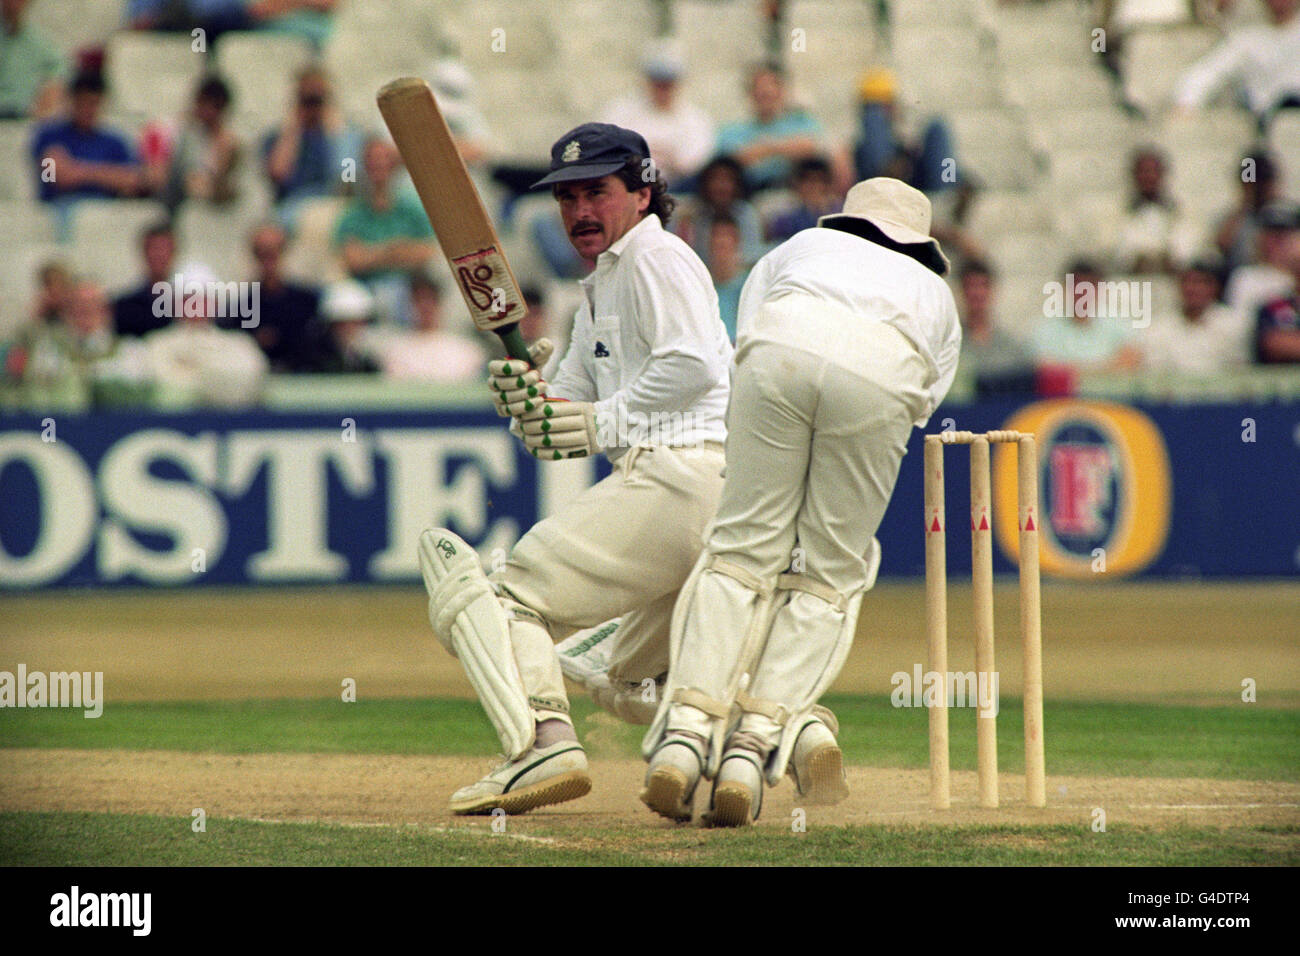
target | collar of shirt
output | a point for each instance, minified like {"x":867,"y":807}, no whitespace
{"x":608,"y":259}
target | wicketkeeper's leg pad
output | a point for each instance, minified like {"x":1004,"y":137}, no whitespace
{"x":719,"y":625}
{"x":469,"y":621}
{"x":810,"y":639}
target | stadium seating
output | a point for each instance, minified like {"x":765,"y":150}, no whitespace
{"x":259,"y":67}
{"x":104,"y":238}
{"x":1033,"y":115}
{"x":73,"y":25}
{"x":152,"y":74}
{"x":15,"y":157}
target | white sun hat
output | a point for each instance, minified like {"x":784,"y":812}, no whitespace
{"x":900,"y":212}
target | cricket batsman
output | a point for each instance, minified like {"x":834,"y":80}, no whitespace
{"x":645,"y":381}
{"x":847,"y":337}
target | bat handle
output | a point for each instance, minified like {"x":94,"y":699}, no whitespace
{"x":516,"y":347}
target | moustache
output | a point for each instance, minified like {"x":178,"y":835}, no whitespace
{"x":585,"y":227}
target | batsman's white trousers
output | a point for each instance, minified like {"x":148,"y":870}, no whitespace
{"x":822,"y":405}
{"x":624,"y":547}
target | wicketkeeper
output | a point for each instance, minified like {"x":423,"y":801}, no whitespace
{"x":847,"y":337}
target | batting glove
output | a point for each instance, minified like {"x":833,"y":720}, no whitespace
{"x":517,"y":386}
{"x":559,"y":428}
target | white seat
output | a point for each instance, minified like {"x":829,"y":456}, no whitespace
{"x":73,"y":24}
{"x":1024,"y":252}
{"x":26,"y":220}
{"x":15,"y":156}
{"x":260,"y":69}
{"x":311,"y":256}
{"x":1154,"y":59}
{"x":105,"y":237}
{"x":997,"y":212}
{"x":217,"y":237}
{"x":1284,"y":141}
{"x":152,"y":74}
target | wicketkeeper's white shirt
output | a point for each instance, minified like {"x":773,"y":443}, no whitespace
{"x":647,"y":341}
{"x":875,"y":283}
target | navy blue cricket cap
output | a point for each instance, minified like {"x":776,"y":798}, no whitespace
{"x":593,"y":150}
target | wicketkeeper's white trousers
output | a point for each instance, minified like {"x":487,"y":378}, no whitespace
{"x":816,"y":431}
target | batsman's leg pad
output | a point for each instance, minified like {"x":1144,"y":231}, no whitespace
{"x":719,"y":625}
{"x":469,"y":621}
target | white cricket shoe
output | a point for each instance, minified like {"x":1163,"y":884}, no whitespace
{"x":817,"y":763}
{"x":737,"y":791}
{"x":670,"y":779}
{"x":584,"y":655}
{"x":542,"y":776}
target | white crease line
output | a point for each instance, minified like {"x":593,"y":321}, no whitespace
{"x":371,"y":825}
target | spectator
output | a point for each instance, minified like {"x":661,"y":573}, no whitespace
{"x":774,"y":137}
{"x":212,"y":16}
{"x":31,"y":71}
{"x":201,"y":162}
{"x":814,"y":188}
{"x":1084,"y":340}
{"x":49,"y":309}
{"x":725,"y":266}
{"x":722,"y":192}
{"x":54,"y":287}
{"x":1154,"y":236}
{"x":1277,"y":331}
{"x":426,"y":351}
{"x":994,"y":361}
{"x":312,"y":20}
{"x":116,"y":371}
{"x":289,"y":328}
{"x":1205,"y":336}
{"x":1237,"y":235}
{"x":680,"y":134}
{"x":195,"y":362}
{"x":1271,"y":277}
{"x":929,"y":164}
{"x":77,"y":158}
{"x":133,"y":312}
{"x":1262,"y":59}
{"x":384,"y":235}
{"x":349,"y":308}
{"x":305,"y":157}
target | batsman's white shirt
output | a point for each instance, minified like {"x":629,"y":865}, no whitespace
{"x":647,"y":341}
{"x":873,"y":283}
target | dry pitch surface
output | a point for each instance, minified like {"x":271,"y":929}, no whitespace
{"x":1174,"y":643}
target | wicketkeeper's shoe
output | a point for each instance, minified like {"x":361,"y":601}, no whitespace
{"x":738,"y":789}
{"x":542,"y":776}
{"x":817,"y":763}
{"x":670,"y":779}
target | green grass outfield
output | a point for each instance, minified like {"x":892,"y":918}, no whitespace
{"x":1101,"y":739}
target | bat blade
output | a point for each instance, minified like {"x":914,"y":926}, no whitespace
{"x":455,"y":210}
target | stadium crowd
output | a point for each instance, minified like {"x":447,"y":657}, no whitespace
{"x":743,"y":186}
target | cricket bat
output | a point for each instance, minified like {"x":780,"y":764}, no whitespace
{"x":455,"y":210}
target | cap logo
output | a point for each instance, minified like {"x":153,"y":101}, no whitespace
{"x":572,"y":151}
